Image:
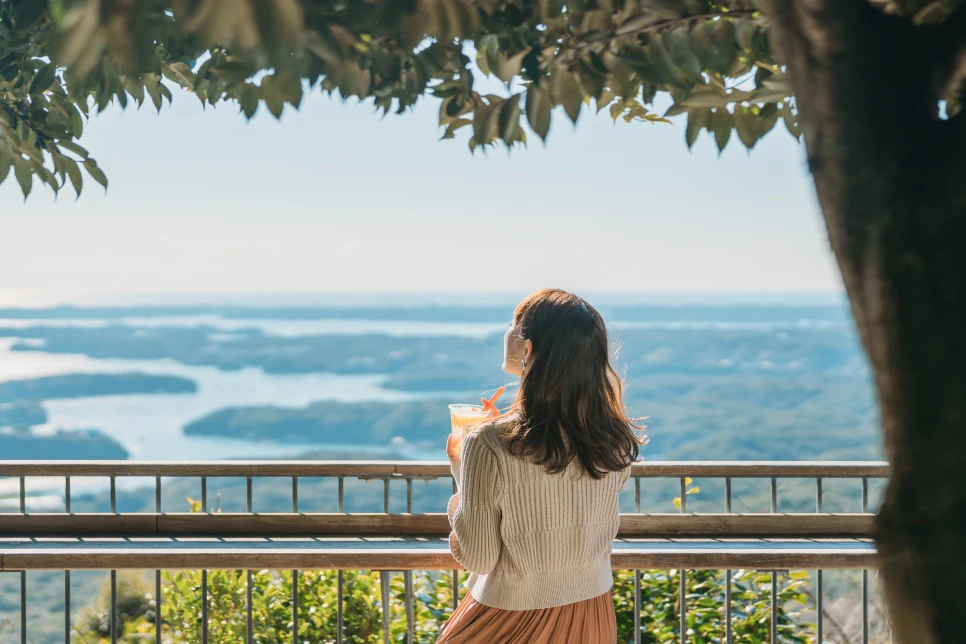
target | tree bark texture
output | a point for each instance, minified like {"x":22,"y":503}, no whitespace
{"x":891,"y":180}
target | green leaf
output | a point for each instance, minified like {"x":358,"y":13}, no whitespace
{"x":272,"y":96}
{"x":5,"y":164}
{"x":74,"y":173}
{"x":43,"y":79}
{"x":76,"y":121}
{"x":566,"y":91}
{"x":73,"y":147}
{"x":509,"y":122}
{"x":538,"y":107}
{"x":721,"y":123}
{"x":290,"y":87}
{"x":96,"y":174}
{"x":681,"y":48}
{"x":508,"y":67}
{"x":248,"y":100}
{"x":791,"y":122}
{"x":746,"y":125}
{"x":453,"y":126}
{"x":697,"y":119}
{"x":24,"y":176}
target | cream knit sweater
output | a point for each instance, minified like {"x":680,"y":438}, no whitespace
{"x":531,"y":539}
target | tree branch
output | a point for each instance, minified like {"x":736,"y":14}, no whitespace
{"x":951,"y":53}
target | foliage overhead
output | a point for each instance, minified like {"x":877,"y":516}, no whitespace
{"x":60,"y":59}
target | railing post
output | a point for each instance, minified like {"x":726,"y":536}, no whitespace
{"x":204,"y":607}
{"x":158,"y":619}
{"x":408,"y":581}
{"x":249,"y":582}
{"x":295,"y":607}
{"x":340,"y":593}
{"x":637,"y":606}
{"x":384,"y":583}
{"x":23,"y":604}
{"x":113,"y":607}
{"x":774,"y":607}
{"x":66,"y":607}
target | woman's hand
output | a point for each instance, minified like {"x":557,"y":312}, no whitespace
{"x":454,"y":460}
{"x":451,"y":448}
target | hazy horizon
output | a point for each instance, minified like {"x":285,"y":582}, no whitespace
{"x":21,"y":299}
{"x":336,"y":199}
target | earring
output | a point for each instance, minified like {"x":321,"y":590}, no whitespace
{"x":523,"y":363}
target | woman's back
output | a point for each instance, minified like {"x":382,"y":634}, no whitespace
{"x":555,"y":531}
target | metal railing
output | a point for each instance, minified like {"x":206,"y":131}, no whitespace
{"x":715,"y":529}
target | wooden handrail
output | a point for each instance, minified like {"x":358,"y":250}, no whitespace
{"x":416,"y":554}
{"x":128,"y":525}
{"x":648,"y":469}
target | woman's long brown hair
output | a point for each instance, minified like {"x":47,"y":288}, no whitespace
{"x":570,"y":404}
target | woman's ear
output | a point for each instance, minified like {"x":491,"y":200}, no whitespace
{"x":529,"y":349}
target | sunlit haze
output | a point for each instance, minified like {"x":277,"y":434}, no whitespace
{"x":337,"y":199}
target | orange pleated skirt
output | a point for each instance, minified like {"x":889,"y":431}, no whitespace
{"x":591,"y":621}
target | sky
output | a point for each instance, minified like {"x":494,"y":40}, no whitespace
{"x":337,"y":199}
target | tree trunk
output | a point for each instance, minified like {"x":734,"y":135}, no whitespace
{"x":891,"y":180}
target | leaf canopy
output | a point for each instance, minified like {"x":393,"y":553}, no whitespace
{"x":61,"y":59}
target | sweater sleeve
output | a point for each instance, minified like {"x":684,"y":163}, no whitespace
{"x":475,"y":540}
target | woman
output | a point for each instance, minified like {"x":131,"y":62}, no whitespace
{"x":536,"y":511}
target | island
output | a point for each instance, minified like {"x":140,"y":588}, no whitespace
{"x":81,"y":444}
{"x":83,"y":385}
{"x":330,"y":422}
{"x":24,"y":413}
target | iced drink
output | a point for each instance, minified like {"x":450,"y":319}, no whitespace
{"x":463,"y":416}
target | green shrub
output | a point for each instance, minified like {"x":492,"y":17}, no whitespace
{"x":432,"y":606}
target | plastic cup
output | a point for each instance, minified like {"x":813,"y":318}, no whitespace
{"x":463,"y":417}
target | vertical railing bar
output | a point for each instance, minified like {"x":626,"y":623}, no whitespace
{"x":113,"y":494}
{"x":637,"y":605}
{"x":66,"y":607}
{"x":157,"y":494}
{"x":113,"y":606}
{"x":637,"y":494}
{"x":456,"y":589}
{"x":23,"y":495}
{"x":865,"y":573}
{"x":23,"y":604}
{"x":248,"y":494}
{"x":158,"y":619}
{"x":295,"y":494}
{"x":204,"y":494}
{"x":684,"y":495}
{"x":865,"y":607}
{"x":409,"y":496}
{"x":818,"y":494}
{"x":249,"y":582}
{"x":204,"y":607}
{"x":67,"y":494}
{"x":728,"y":494}
{"x":774,"y":607}
{"x":729,"y":627}
{"x":408,"y":581}
{"x":384,"y":583}
{"x":385,"y":495}
{"x":295,"y":607}
{"x":774,"y":495}
{"x":820,"y":609}
{"x":339,"y":635}
{"x":341,"y":493}
{"x":683,"y":600}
